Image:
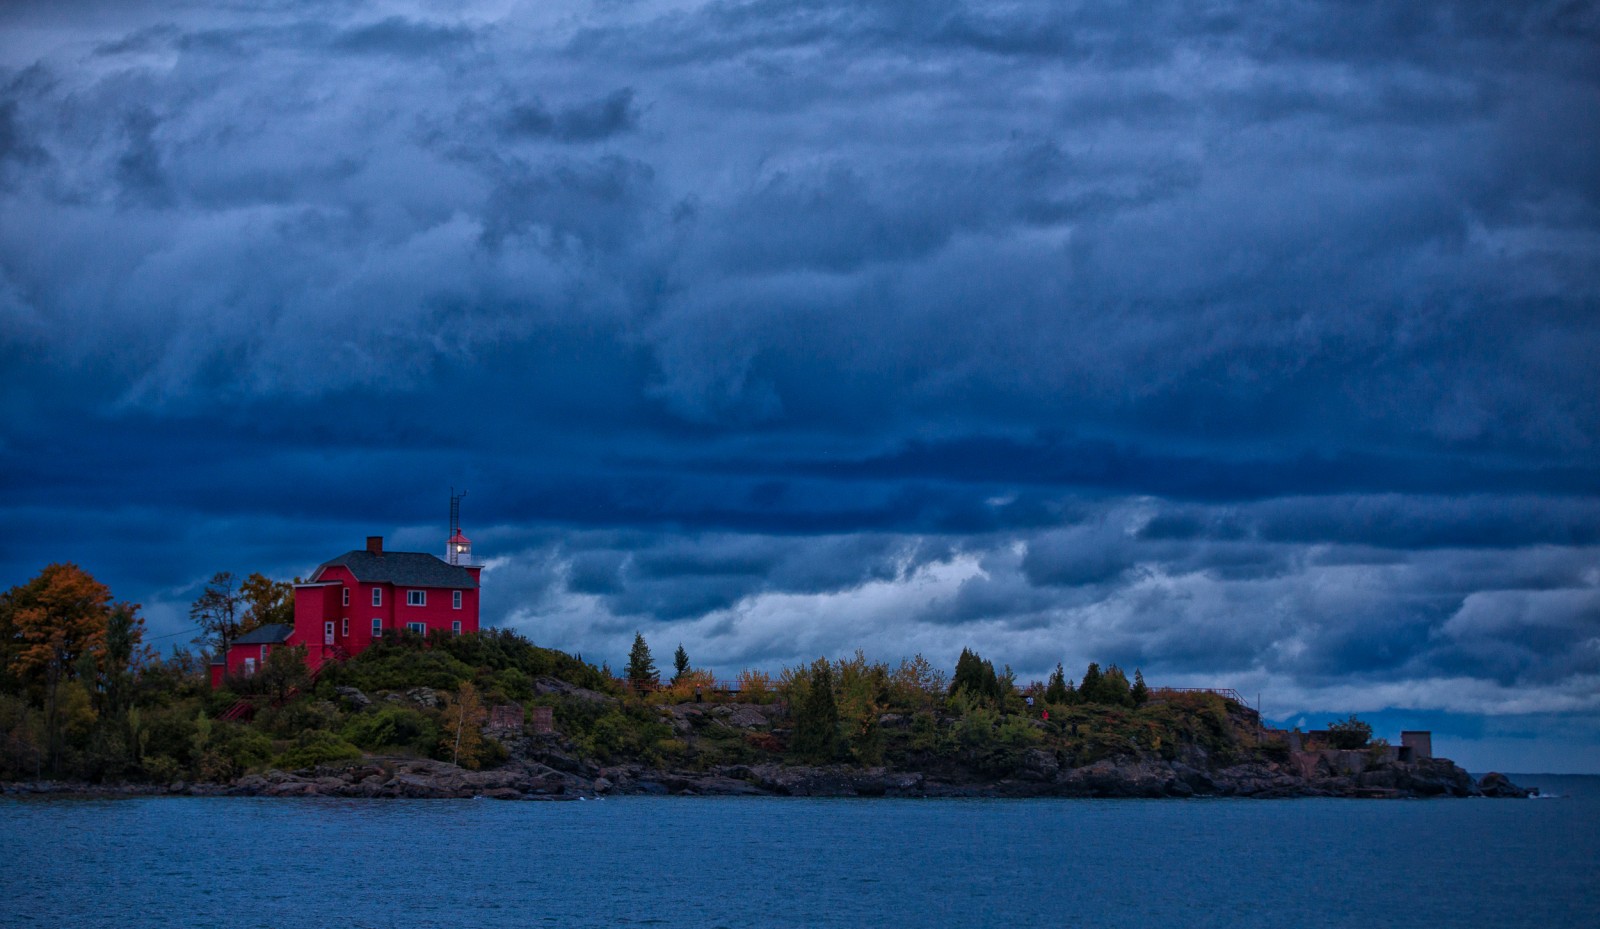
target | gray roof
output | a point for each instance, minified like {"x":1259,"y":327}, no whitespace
{"x":402,"y":569}
{"x":270,"y":634}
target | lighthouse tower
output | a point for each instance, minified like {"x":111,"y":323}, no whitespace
{"x":458,"y":550}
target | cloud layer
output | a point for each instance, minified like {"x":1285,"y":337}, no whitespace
{"x":1249,"y":344}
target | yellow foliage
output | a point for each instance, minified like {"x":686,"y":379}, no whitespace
{"x":460,"y":729}
{"x":754,"y":685}
{"x":683,"y":689}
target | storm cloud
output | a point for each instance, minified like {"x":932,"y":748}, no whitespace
{"x":1252,"y":345}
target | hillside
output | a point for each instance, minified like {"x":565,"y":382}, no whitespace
{"x":417,"y":718}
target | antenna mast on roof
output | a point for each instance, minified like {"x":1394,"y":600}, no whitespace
{"x":458,"y":543}
{"x":455,"y":510}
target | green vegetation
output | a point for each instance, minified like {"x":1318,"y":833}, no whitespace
{"x":1349,"y":733}
{"x":82,"y":697}
{"x":641,"y":667}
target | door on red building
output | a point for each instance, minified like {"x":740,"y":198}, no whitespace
{"x":327,"y":632}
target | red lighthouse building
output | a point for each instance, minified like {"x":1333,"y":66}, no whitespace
{"x":353,"y":600}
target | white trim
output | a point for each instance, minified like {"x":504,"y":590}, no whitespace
{"x":344,"y":627}
{"x":416,"y":598}
{"x":418,"y":628}
{"x":347,"y":596}
{"x":455,"y":599}
{"x":377,"y":596}
{"x":377,"y":627}
{"x":455,"y":627}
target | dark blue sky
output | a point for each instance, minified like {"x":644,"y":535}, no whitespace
{"x":1253,"y":345}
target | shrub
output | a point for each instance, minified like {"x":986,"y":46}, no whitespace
{"x":392,"y":727}
{"x":317,"y":746}
{"x":1349,"y":733}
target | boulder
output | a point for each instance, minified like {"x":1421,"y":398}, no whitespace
{"x":551,"y":685}
{"x":425,"y":697}
{"x":1495,"y":784}
{"x":353,"y":698}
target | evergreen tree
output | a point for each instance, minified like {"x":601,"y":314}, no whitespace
{"x":1056,"y":691}
{"x":641,"y":667}
{"x":816,"y":725}
{"x":975,"y":676}
{"x":680,"y":664}
{"x":1114,"y":688}
{"x":1089,"y":689}
{"x":1140,"y":693}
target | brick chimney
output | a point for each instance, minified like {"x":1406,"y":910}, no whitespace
{"x":375,"y":544}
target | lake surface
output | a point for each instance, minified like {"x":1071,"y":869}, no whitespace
{"x":707,"y":862}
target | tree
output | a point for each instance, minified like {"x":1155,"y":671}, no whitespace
{"x":461,"y":725}
{"x":1056,"y":691}
{"x":1114,"y":688}
{"x":1349,"y":733}
{"x":816,"y":725}
{"x":641,"y":667}
{"x":283,"y":671}
{"x":1140,"y":693}
{"x":219,"y":612}
{"x":266,"y":602}
{"x":917,"y":683}
{"x":974,"y":676}
{"x":56,"y":620}
{"x":1089,"y":687}
{"x":680,"y":663}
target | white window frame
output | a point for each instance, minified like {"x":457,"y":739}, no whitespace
{"x":416,"y":598}
{"x":249,"y":669}
{"x":377,"y":596}
{"x":327,"y":632}
{"x":377,"y":628}
{"x":344,"y":627}
{"x":455,"y":627}
{"x":347,"y":596}
{"x":455,"y":599}
{"x":418,"y":628}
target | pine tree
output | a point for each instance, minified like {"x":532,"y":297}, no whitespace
{"x":1089,"y":689}
{"x":1056,"y":691}
{"x":1140,"y":693}
{"x":1114,"y":688}
{"x":680,"y":663}
{"x":975,"y":676}
{"x":641,"y":667}
{"x":816,"y":725}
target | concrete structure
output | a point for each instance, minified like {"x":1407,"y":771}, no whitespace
{"x":1416,"y":745}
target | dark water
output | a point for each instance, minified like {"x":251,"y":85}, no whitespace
{"x":795,"y":862}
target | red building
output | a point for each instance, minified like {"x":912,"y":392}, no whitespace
{"x":352,"y":600}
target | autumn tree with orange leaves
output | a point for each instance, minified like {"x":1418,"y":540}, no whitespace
{"x":49,"y":625}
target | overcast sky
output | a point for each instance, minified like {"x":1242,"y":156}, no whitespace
{"x":1251,"y":344}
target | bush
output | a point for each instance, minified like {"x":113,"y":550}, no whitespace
{"x":392,"y":727}
{"x":1349,"y":733}
{"x":317,"y":746}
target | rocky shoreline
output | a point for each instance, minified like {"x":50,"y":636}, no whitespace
{"x":528,"y":779}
